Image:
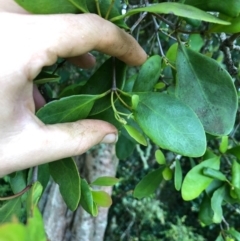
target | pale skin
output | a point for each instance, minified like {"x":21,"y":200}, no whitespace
{"x":30,"y":42}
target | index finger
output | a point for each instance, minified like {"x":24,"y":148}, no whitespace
{"x":69,"y":35}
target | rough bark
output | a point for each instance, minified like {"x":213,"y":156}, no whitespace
{"x":63,"y":225}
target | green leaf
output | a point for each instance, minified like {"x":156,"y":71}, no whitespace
{"x":234,"y":27}
{"x":124,"y":147}
{"x":213,"y":173}
{"x":148,"y":184}
{"x":234,"y":233}
{"x":167,"y":174}
{"x":95,"y":210}
{"x":73,"y":89}
{"x":200,"y":82}
{"x":9,"y":209}
{"x":19,"y":181}
{"x":48,"y":7}
{"x":35,"y":227}
{"x":170,"y":124}
{"x":81,"y":5}
{"x":102,"y":81}
{"x":104,"y":6}
{"x":65,"y":174}
{"x":136,"y":135}
{"x":13,"y":232}
{"x":196,"y":42}
{"x":33,"y":197}
{"x":220,"y":238}
{"x":67,"y":109}
{"x":224,"y":144}
{"x":216,"y":204}
{"x":129,"y":83}
{"x":135,"y":100}
{"x":171,"y":55}
{"x":45,"y":77}
{"x":160,"y":157}
{"x":195,"y":182}
{"x":105,"y":181}
{"x":235,"y":151}
{"x":178,"y":176}
{"x":205,"y":214}
{"x":107,"y":115}
{"x":235,"y":192}
{"x":236,"y":174}
{"x":43,"y":175}
{"x":86,"y":200}
{"x":102,"y":198}
{"x":159,"y":86}
{"x":230,"y":7}
{"x":177,"y":9}
{"x":148,"y":75}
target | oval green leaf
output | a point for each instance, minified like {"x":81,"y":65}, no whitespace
{"x":178,"y":9}
{"x":48,"y":7}
{"x":235,"y":151}
{"x":235,"y":192}
{"x":67,"y":109}
{"x":124,"y":147}
{"x":102,"y":198}
{"x":35,"y":227}
{"x":178,"y":176}
{"x":45,"y":77}
{"x":86,"y":200}
{"x":200,"y":82}
{"x":9,"y":209}
{"x":216,"y":204}
{"x":160,"y":157}
{"x":136,"y":135}
{"x":102,"y":81}
{"x":148,"y":75}
{"x":148,"y":184}
{"x":65,"y":174}
{"x":224,"y":144}
{"x":234,"y":27}
{"x":105,"y":181}
{"x":195,"y":182}
{"x":135,"y":100}
{"x":13,"y":232}
{"x":33,"y":197}
{"x":230,"y":7}
{"x":205,"y":214}
{"x":213,"y":173}
{"x":170,"y":124}
{"x":167,"y":174}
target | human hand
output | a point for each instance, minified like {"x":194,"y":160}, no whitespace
{"x":30,"y":42}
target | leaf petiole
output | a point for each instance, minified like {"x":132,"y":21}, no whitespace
{"x":98,"y":8}
{"x":123,"y":102}
{"x":109,"y":9}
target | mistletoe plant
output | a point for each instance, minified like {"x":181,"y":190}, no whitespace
{"x":176,"y":117}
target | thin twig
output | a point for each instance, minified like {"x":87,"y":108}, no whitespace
{"x":114,"y":82}
{"x":157,"y":35}
{"x":140,"y":19}
{"x":17,"y":194}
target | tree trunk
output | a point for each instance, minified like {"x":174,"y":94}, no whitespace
{"x":63,"y":225}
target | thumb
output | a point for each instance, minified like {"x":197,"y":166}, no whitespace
{"x":71,"y":139}
{"x":46,"y":143}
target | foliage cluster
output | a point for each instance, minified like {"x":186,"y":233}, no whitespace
{"x":182,"y":99}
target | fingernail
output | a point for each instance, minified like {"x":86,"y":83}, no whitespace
{"x":110,"y":139}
